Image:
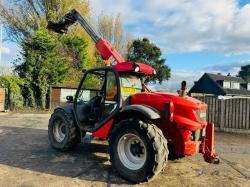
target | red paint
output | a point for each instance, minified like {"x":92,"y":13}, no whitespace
{"x":192,"y":147}
{"x":182,"y":120}
{"x":130,"y":66}
{"x":104,"y":130}
{"x":185,"y":123}
{"x":171,"y":111}
{"x":178,"y":132}
{"x":144,"y":68}
{"x":208,"y":146}
{"x":106,"y":51}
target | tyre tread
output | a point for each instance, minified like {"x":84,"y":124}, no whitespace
{"x":72,"y":141}
{"x":157,"y":139}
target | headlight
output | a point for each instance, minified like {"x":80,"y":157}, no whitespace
{"x":169,"y":111}
{"x":137,"y":68}
{"x":202,"y":115}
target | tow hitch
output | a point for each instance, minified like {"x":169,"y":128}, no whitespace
{"x":208,"y":148}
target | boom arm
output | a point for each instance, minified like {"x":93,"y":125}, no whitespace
{"x":103,"y":46}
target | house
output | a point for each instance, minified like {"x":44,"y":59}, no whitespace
{"x":59,"y":92}
{"x":220,"y":85}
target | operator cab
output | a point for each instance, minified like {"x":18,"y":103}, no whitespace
{"x":97,"y":97}
{"x":101,"y":93}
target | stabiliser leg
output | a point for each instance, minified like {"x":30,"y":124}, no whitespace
{"x":209,"y":151}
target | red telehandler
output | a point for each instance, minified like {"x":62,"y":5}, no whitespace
{"x":144,"y":128}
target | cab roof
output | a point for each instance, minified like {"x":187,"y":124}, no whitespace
{"x":135,"y":67}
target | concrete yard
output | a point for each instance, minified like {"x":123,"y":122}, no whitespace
{"x":27,"y":160}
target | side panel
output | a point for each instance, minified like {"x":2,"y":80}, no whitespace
{"x":147,"y":111}
{"x":178,"y":133}
{"x":104,"y":130}
{"x":187,"y":124}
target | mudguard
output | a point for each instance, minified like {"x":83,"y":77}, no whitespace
{"x":145,"y":110}
{"x":67,"y":108}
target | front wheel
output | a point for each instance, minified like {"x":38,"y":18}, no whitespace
{"x":138,"y":150}
{"x":62,"y":131}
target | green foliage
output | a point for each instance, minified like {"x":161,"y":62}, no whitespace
{"x":244,"y":73}
{"x":13,"y":86}
{"x":23,"y":18}
{"x":48,"y":58}
{"x":75,"y":49}
{"x":41,"y":68}
{"x":149,"y":53}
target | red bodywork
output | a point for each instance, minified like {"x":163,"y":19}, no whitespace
{"x":119,"y":64}
{"x":183,"y":122}
{"x":106,"y":51}
{"x":178,"y":132}
{"x":180,"y":126}
{"x":178,"y":129}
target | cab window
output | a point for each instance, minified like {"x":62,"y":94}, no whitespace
{"x":131,"y":84}
{"x":111,"y":87}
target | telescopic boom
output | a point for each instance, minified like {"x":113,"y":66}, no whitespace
{"x":103,"y":46}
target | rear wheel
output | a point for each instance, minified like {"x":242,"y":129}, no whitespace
{"x":138,"y":150}
{"x":62,"y":131}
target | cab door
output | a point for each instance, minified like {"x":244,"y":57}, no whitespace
{"x":97,"y":98}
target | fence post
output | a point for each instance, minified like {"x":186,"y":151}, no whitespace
{"x":222,"y":113}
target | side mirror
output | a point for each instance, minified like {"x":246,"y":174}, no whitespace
{"x":70,"y":98}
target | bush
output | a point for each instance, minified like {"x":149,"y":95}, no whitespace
{"x":13,"y":86}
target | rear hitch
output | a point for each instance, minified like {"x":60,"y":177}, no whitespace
{"x":208,"y":148}
{"x":214,"y":159}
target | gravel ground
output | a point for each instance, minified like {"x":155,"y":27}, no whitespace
{"x":26,"y":160}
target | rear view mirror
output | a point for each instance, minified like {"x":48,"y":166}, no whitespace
{"x":70,"y":98}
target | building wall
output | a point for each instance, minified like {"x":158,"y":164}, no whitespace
{"x":58,"y":95}
{"x":55,"y":97}
{"x":2,"y":99}
{"x":66,"y":92}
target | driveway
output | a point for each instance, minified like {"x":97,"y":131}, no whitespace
{"x":26,"y":159}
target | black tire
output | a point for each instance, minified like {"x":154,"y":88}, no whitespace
{"x":172,"y":155}
{"x":70,"y":131}
{"x":154,"y":142}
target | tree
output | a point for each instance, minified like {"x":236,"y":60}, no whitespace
{"x":41,"y":68}
{"x":149,"y":53}
{"x":22,"y":18}
{"x":111,"y":29}
{"x":25,"y":22}
{"x":12,"y":85}
{"x":244,"y":73}
{"x":74,"y":48}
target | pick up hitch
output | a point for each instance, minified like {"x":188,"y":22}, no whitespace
{"x":208,"y":148}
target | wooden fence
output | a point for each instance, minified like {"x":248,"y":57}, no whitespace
{"x":228,"y":114}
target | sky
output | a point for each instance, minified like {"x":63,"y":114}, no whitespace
{"x":195,"y":36}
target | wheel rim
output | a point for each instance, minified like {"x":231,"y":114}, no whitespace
{"x":59,"y":131}
{"x":132,"y":151}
